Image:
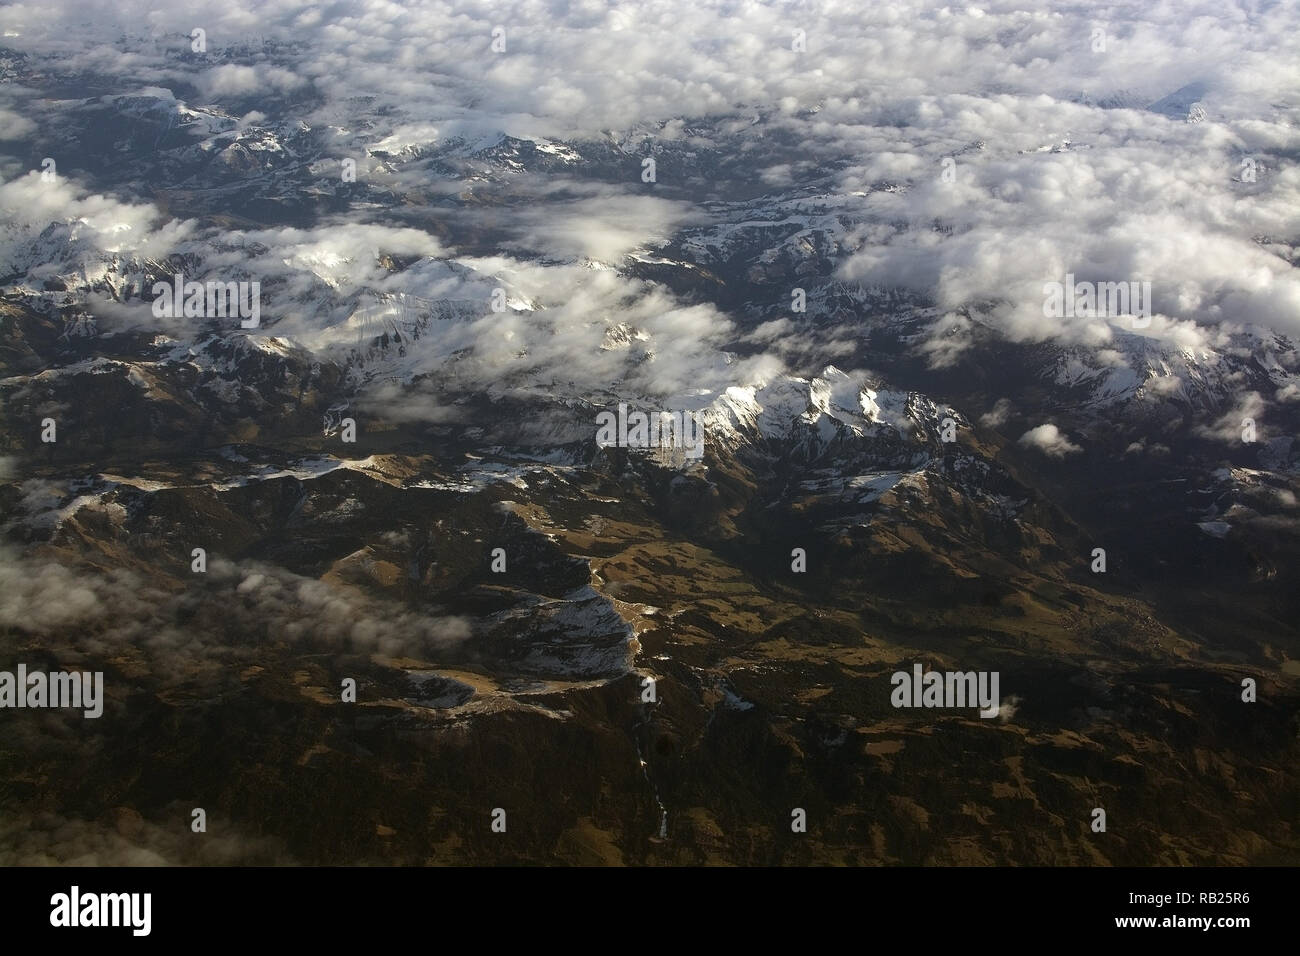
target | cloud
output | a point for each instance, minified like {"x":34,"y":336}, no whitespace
{"x":1050,"y":441}
{"x":1008,"y":707}
{"x":87,"y":226}
{"x":972,"y":156}
{"x":947,"y":339}
{"x":1231,"y":427}
{"x":604,"y":228}
{"x":231,"y":81}
{"x":116,"y":613}
{"x":15,"y":126}
{"x":124,"y":838}
{"x":997,"y":416}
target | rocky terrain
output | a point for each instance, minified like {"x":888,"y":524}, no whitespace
{"x":641,"y":658}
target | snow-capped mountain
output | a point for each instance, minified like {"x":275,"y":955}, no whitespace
{"x":391,"y":468}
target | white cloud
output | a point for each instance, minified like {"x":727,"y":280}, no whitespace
{"x":997,"y":416}
{"x":1050,"y":441}
{"x":605,"y":228}
{"x":1059,"y":166}
{"x":1247,"y":410}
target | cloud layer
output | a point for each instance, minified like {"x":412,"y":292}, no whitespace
{"x":974,"y":153}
